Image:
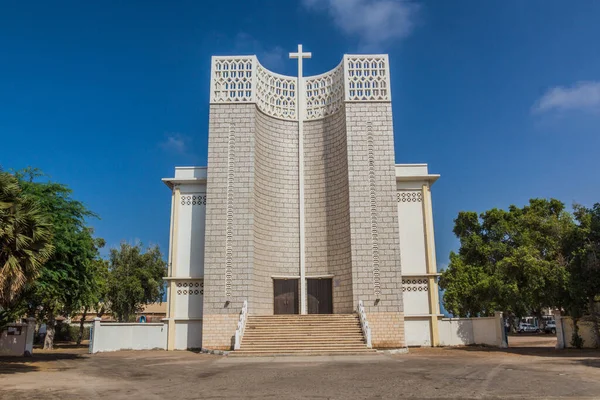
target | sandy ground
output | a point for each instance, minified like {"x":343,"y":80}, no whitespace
{"x":471,"y":372}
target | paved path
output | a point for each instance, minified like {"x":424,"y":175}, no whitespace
{"x":423,"y":373}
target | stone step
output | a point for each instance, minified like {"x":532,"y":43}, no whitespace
{"x":307,"y":336}
{"x":248,"y":353}
{"x":308,"y":327}
{"x":302,"y":334}
{"x":299,"y":321}
{"x":303,"y":318}
{"x":309,"y":346}
{"x":250,"y":342}
{"x":263,"y":328}
{"x":272,"y":334}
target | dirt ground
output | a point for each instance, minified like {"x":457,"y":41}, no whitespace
{"x":470,"y":372}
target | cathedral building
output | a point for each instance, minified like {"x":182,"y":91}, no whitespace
{"x":301,"y":224}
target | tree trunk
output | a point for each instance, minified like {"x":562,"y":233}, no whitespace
{"x":540,"y":321}
{"x":50,"y":330}
{"x":80,"y":336}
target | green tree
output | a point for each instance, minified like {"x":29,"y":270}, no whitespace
{"x":136,"y":279}
{"x":64,"y":284}
{"x":509,"y":260}
{"x":583,"y":249}
{"x":91,"y":295}
{"x":25,"y":245}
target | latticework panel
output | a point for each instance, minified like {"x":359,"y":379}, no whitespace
{"x":324,"y":93}
{"x":367,"y":78}
{"x":242,"y":79}
{"x":275,"y":94}
{"x":232,"y":79}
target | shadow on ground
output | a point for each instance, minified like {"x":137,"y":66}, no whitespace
{"x":15,"y":365}
{"x":586,"y":357}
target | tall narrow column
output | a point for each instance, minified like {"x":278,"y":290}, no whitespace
{"x":300,"y":106}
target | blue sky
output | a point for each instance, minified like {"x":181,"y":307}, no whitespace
{"x":500,"y":97}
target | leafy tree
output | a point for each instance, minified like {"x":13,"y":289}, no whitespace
{"x":583,"y":249}
{"x":91,"y":295}
{"x":508,"y":260}
{"x":25,"y":245}
{"x":68,"y":277}
{"x":136,"y":279}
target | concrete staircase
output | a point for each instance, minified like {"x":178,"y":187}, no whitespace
{"x":313,"y":334}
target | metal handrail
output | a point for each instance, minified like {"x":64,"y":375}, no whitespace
{"x":364,"y":324}
{"x":241,"y":326}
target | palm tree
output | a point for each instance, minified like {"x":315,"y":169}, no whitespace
{"x":25,"y":240}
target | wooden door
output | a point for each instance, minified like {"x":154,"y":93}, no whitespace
{"x":320,"y":296}
{"x":285,"y":296}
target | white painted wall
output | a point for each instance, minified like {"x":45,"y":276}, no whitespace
{"x":412,"y":235}
{"x":465,"y":331}
{"x":586,"y":331}
{"x":415,"y":302}
{"x":188,"y":335}
{"x":124,"y":336}
{"x":485,"y":330}
{"x":456,"y":332}
{"x":417,"y":332}
{"x":190,"y":233}
{"x":189,"y":305}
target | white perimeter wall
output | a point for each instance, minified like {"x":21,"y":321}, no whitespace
{"x":465,"y":331}
{"x":121,"y":336}
{"x":586,"y":331}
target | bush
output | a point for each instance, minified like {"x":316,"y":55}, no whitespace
{"x":69,"y":333}
{"x":576,"y":340}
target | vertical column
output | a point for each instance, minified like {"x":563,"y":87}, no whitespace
{"x":431,"y":264}
{"x":29,"y":337}
{"x":173,"y":268}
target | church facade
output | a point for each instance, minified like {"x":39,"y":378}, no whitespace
{"x":301,"y":209}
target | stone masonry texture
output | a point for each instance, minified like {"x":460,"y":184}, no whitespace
{"x":342,"y":238}
{"x":276,"y":213}
{"x":388,"y":304}
{"x":327,"y":212}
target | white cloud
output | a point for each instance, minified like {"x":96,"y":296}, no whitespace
{"x":375,"y":22}
{"x":272,"y":58}
{"x":580,"y":96}
{"x":175,"y":143}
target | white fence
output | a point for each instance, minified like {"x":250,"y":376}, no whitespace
{"x":564,"y":332}
{"x":111,"y":336}
{"x":487,"y":331}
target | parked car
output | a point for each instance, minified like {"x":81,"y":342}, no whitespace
{"x":524,"y":327}
{"x":550,"y":327}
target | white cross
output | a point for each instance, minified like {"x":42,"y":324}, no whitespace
{"x":301,"y":115}
{"x":300,"y":55}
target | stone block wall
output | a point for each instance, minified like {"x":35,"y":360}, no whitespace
{"x":276,"y":212}
{"x":375,"y":244}
{"x":229,"y":212}
{"x":218,"y":331}
{"x":387,"y":330}
{"x":327,"y":214}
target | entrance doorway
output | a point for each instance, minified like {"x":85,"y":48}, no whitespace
{"x":320,"y":296}
{"x":285,"y":296}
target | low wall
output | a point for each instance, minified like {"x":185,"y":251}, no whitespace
{"x":17,"y":339}
{"x":564,"y":332}
{"x":112,"y":336}
{"x":487,"y":331}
